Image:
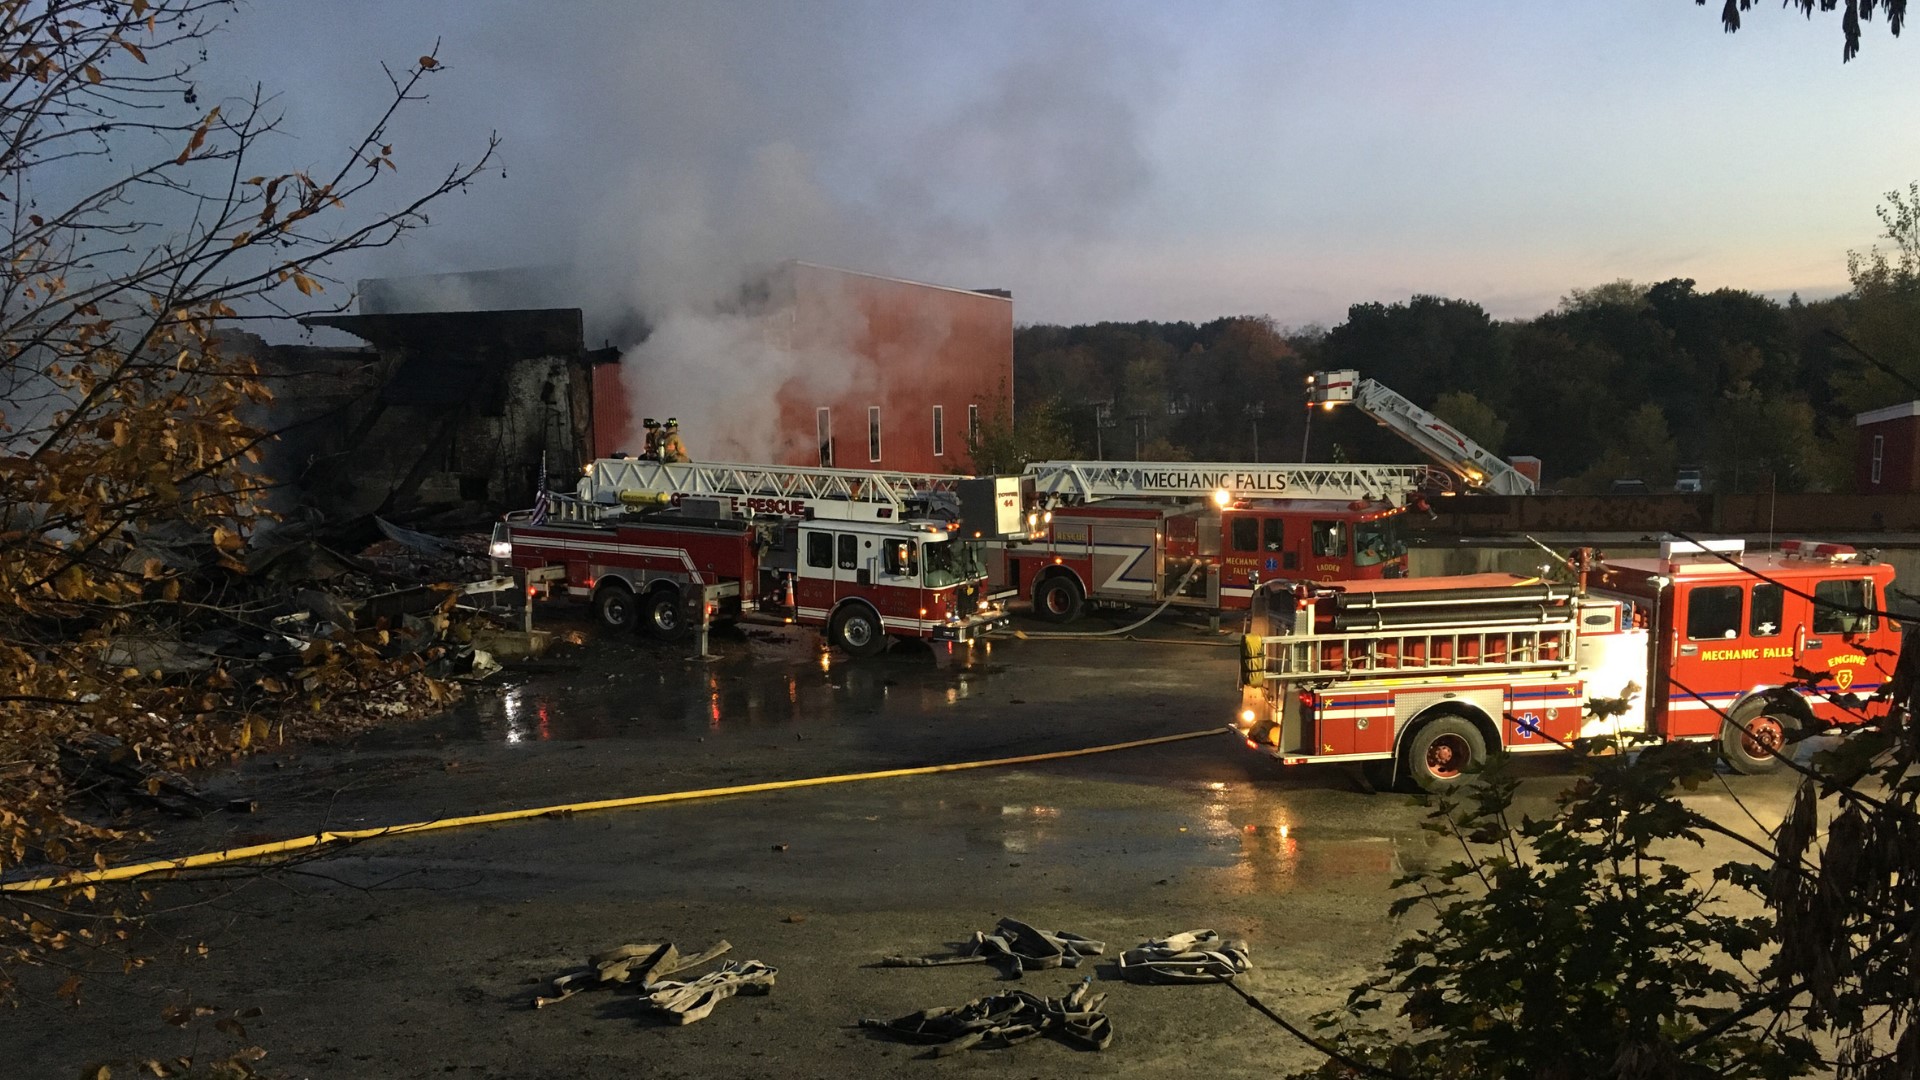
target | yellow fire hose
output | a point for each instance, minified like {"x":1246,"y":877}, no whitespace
{"x":319,"y":839}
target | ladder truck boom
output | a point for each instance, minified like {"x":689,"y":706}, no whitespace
{"x":1478,"y":467}
{"x":1090,"y":480}
{"x":990,"y":506}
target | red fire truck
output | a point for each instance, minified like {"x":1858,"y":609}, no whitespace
{"x":865,"y":555}
{"x":1417,"y":678}
{"x":1199,"y":534}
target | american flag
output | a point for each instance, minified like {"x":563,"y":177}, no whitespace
{"x":541,"y":498}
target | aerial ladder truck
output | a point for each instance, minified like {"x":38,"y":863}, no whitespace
{"x":866,"y":555}
{"x":1201,"y":534}
{"x":1478,"y":468}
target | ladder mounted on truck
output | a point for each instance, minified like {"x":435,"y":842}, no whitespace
{"x":1476,"y":466}
{"x":989,"y":507}
{"x":1087,"y":480}
{"x":860,"y":494}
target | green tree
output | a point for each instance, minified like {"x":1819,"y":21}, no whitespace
{"x":1473,"y":419}
{"x":1620,"y":293}
{"x":1880,"y":363}
{"x":1005,"y":445}
{"x":1642,"y":449}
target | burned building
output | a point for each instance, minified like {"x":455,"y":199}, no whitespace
{"x":442,"y":410}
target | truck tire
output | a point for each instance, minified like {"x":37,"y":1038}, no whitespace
{"x":1058,"y":599}
{"x":615,"y":608}
{"x":661,"y":615}
{"x":857,"y":631}
{"x":1443,"y":751}
{"x":1749,"y":752}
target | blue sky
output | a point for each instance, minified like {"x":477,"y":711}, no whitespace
{"x":1124,"y":160}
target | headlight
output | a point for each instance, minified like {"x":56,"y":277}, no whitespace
{"x":500,"y":549}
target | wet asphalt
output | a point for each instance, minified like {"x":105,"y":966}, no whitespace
{"x":417,"y":956}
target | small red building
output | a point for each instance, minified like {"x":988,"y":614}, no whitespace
{"x":1888,"y":462}
{"x":820,"y":366}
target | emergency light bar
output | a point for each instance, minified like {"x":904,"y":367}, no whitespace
{"x":1818,"y":552}
{"x":1731,"y":548}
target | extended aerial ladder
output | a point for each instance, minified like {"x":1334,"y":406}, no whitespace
{"x":1085,"y":481}
{"x":1475,"y":465}
{"x":613,"y":485}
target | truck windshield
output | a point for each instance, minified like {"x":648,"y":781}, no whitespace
{"x":1375,"y":542}
{"x":951,"y":563}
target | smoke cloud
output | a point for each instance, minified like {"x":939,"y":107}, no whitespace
{"x":665,"y":155}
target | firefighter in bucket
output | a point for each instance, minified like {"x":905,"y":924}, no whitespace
{"x":651,"y":452}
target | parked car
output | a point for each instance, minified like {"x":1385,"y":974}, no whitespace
{"x":1629,"y":487}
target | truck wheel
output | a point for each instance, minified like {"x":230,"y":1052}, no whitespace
{"x":1750,"y":752}
{"x":1058,"y":599}
{"x":661,"y":615}
{"x":856,"y":629}
{"x":614,"y":607}
{"x":1442,"y":752}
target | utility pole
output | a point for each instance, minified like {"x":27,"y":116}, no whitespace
{"x":1306,"y":434}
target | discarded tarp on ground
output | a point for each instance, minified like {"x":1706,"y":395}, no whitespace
{"x":645,"y":967}
{"x":1013,"y":947}
{"x":1196,"y":956}
{"x":1006,"y":1019}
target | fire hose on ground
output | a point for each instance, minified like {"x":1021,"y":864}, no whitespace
{"x":321,"y":839}
{"x":1127,"y":629}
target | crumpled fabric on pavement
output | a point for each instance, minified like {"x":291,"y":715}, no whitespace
{"x":645,"y":968}
{"x":686,"y":1002}
{"x":1013,"y":947}
{"x":1196,"y":956}
{"x":1005,"y":1020}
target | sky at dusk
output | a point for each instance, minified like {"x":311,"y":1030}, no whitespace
{"x":1121,"y":160}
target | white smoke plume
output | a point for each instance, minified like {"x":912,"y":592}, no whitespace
{"x":668,"y":153}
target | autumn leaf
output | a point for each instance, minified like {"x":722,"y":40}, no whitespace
{"x":93,"y":74}
{"x":429,"y":63}
{"x":199,"y":134}
{"x":133,"y":49}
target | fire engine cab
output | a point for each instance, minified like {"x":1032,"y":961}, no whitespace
{"x":1199,"y":535}
{"x":1417,"y":679}
{"x":864,"y":555}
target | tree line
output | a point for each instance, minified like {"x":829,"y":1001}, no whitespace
{"x":1624,"y":380}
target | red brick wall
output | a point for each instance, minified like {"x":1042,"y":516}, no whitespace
{"x":862,"y":342}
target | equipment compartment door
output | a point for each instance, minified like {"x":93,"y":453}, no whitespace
{"x":1126,"y":560}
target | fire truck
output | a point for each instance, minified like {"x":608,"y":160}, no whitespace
{"x":1417,"y":679}
{"x":1198,"y":535}
{"x":867,"y":556}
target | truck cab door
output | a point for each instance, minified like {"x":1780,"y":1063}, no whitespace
{"x":1842,"y":648}
{"x":813,"y":587}
{"x":1331,"y":555}
{"x":852,"y":565}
